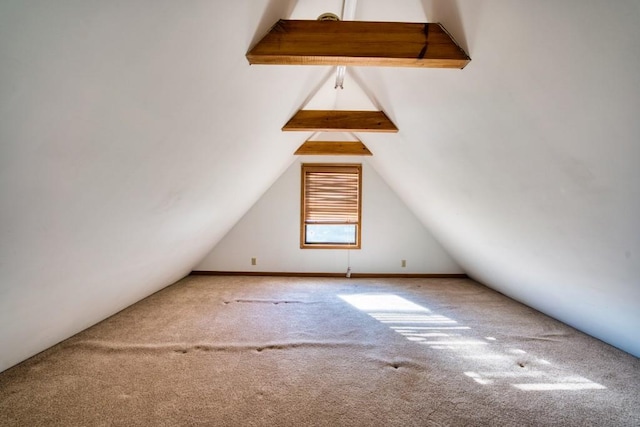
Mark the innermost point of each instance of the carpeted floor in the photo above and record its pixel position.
(241, 351)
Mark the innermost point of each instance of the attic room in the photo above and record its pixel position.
(157, 259)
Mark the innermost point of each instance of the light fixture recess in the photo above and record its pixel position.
(328, 17)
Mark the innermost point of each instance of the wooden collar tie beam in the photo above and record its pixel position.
(359, 43)
(340, 121)
(333, 148)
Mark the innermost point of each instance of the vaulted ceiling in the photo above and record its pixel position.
(133, 135)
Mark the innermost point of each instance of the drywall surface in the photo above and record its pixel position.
(525, 163)
(121, 124)
(270, 232)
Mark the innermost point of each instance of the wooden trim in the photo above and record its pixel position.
(353, 275)
(359, 43)
(340, 121)
(333, 148)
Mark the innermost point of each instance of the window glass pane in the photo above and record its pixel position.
(323, 233)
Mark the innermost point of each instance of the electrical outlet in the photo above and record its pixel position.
(253, 261)
(403, 263)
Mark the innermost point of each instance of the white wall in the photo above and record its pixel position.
(525, 164)
(270, 232)
(120, 123)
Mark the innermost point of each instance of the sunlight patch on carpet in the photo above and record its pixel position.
(493, 364)
(382, 302)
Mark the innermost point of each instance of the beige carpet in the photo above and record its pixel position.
(239, 351)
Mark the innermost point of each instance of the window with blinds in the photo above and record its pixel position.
(331, 206)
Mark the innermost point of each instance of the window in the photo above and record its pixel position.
(330, 209)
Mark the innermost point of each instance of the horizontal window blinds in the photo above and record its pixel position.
(331, 194)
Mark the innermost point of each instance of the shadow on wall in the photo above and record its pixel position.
(374, 97)
(275, 10)
(448, 14)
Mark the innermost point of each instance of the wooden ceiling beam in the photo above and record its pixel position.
(333, 148)
(360, 43)
(340, 121)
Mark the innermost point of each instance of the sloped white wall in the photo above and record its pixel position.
(270, 232)
(525, 163)
(120, 124)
